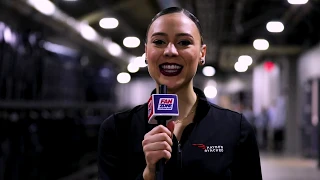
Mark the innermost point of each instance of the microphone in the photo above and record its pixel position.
(162, 108)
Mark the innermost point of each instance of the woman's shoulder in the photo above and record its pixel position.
(124, 117)
(230, 116)
(128, 112)
(231, 119)
(224, 111)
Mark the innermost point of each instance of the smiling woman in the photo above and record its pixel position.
(205, 142)
(174, 39)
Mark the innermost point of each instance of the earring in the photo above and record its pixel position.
(146, 61)
(202, 61)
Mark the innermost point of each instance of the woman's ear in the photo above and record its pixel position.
(145, 52)
(203, 52)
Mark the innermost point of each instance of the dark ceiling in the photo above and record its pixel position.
(230, 26)
(133, 16)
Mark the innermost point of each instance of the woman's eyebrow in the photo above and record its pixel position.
(165, 34)
(159, 34)
(184, 34)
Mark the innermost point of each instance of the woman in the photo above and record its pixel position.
(206, 142)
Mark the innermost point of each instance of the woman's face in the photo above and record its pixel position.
(173, 50)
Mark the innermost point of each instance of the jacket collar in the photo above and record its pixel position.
(203, 104)
(201, 112)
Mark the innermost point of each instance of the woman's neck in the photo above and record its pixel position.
(186, 99)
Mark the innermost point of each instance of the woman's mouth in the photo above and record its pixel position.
(170, 69)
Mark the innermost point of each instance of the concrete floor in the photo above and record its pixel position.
(289, 168)
(274, 167)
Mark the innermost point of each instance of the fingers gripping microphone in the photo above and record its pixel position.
(162, 108)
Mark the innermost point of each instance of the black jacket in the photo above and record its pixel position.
(220, 144)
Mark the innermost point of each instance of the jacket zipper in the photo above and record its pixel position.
(179, 155)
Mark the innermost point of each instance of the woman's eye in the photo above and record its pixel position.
(184, 43)
(158, 42)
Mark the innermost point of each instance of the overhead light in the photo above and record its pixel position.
(143, 55)
(133, 67)
(140, 62)
(131, 42)
(245, 59)
(87, 32)
(108, 23)
(114, 49)
(261, 44)
(7, 35)
(240, 67)
(105, 72)
(275, 26)
(268, 66)
(208, 71)
(44, 6)
(123, 77)
(59, 49)
(296, 2)
(210, 91)
(2, 28)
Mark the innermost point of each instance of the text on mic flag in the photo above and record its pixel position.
(162, 105)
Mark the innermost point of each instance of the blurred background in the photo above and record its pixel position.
(66, 65)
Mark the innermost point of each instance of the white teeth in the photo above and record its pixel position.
(171, 71)
(170, 67)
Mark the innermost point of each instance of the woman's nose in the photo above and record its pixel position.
(171, 50)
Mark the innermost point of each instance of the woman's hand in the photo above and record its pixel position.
(156, 145)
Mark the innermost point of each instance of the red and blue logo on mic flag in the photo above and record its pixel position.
(162, 105)
(166, 103)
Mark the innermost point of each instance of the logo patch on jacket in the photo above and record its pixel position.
(211, 149)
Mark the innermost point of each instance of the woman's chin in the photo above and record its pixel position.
(172, 85)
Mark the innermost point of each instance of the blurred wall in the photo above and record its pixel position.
(265, 87)
(139, 89)
(134, 93)
(308, 104)
(309, 65)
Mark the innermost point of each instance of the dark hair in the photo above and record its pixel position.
(171, 10)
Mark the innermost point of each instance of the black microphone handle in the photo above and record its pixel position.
(161, 163)
(161, 121)
(163, 89)
(160, 169)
